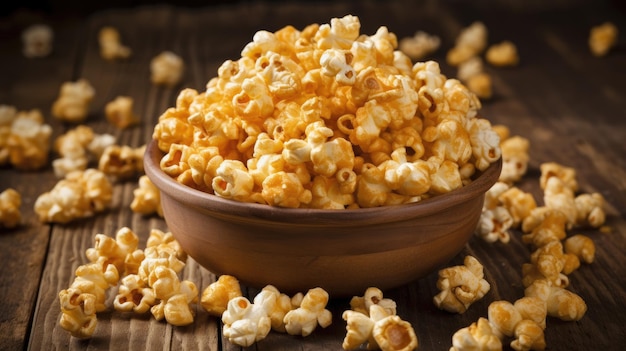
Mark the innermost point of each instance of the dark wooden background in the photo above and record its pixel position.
(569, 104)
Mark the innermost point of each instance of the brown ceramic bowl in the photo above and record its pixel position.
(342, 251)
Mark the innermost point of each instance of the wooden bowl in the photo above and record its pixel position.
(342, 251)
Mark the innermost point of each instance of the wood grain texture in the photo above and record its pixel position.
(569, 104)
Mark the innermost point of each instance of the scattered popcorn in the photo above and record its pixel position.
(72, 104)
(518, 203)
(551, 227)
(311, 313)
(119, 112)
(471, 41)
(77, 148)
(122, 162)
(25, 142)
(277, 305)
(481, 85)
(561, 303)
(359, 327)
(558, 196)
(394, 334)
(582, 246)
(461, 286)
(146, 198)
(10, 202)
(502, 54)
(80, 194)
(343, 121)
(566, 174)
(111, 47)
(590, 210)
(245, 323)
(470, 68)
(419, 45)
(216, 296)
(175, 296)
(372, 296)
(602, 39)
(119, 251)
(37, 41)
(166, 69)
(134, 295)
(494, 225)
(478, 336)
(514, 158)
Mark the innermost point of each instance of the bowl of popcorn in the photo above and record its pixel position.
(324, 157)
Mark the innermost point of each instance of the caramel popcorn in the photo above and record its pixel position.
(561, 303)
(245, 323)
(119, 112)
(77, 148)
(566, 174)
(590, 210)
(311, 313)
(174, 296)
(337, 120)
(394, 334)
(277, 305)
(502, 54)
(471, 41)
(461, 286)
(216, 296)
(166, 69)
(494, 225)
(26, 138)
(602, 39)
(122, 162)
(72, 104)
(372, 296)
(111, 47)
(478, 336)
(119, 251)
(146, 198)
(80, 194)
(518, 203)
(134, 295)
(37, 41)
(581, 246)
(514, 158)
(10, 202)
(420, 45)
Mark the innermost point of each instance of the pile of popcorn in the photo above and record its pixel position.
(328, 118)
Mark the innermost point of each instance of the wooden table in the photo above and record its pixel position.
(569, 104)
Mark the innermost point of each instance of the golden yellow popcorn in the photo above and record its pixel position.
(478, 336)
(514, 158)
(72, 104)
(122, 162)
(309, 118)
(28, 140)
(524, 320)
(471, 41)
(166, 69)
(215, 296)
(111, 47)
(494, 225)
(359, 327)
(481, 85)
(602, 38)
(550, 227)
(582, 246)
(502, 54)
(37, 41)
(590, 210)
(134, 295)
(86, 296)
(518, 203)
(394, 334)
(80, 194)
(564, 173)
(420, 45)
(546, 262)
(77, 148)
(460, 286)
(245, 323)
(558, 196)
(372, 296)
(116, 251)
(174, 296)
(561, 303)
(10, 202)
(119, 112)
(311, 313)
(146, 198)
(469, 69)
(277, 305)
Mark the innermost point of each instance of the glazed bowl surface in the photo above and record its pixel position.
(342, 251)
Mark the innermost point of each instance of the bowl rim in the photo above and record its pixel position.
(218, 205)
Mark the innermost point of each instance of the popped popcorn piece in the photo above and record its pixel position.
(492, 196)
(514, 158)
(72, 149)
(469, 69)
(175, 296)
(566, 174)
(163, 244)
(37, 41)
(581, 246)
(166, 69)
(478, 336)
(215, 296)
(359, 327)
(518, 203)
(547, 262)
(516, 320)
(311, 313)
(528, 336)
(471, 41)
(460, 286)
(372, 296)
(86, 296)
(146, 198)
(245, 323)
(10, 202)
(494, 225)
(134, 295)
(80, 194)
(394, 334)
(590, 210)
(481, 85)
(28, 139)
(558, 196)
(122, 162)
(118, 251)
(276, 304)
(551, 227)
(111, 47)
(602, 38)
(119, 112)
(72, 104)
(561, 303)
(420, 45)
(502, 54)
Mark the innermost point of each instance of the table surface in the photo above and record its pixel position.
(566, 102)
